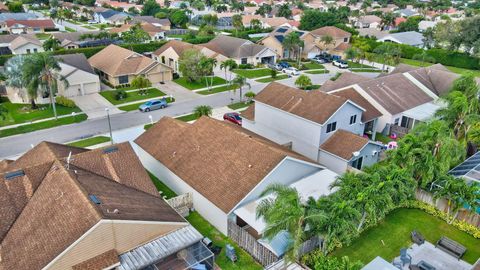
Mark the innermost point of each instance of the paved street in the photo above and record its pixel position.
(186, 102)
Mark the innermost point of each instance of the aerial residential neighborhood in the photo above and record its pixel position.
(227, 135)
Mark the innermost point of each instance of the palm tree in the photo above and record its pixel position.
(303, 81)
(229, 65)
(41, 70)
(14, 78)
(327, 40)
(284, 211)
(240, 82)
(140, 82)
(207, 66)
(51, 44)
(202, 110)
(389, 54)
(292, 42)
(456, 192)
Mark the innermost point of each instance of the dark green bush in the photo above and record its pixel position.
(66, 102)
(245, 66)
(120, 94)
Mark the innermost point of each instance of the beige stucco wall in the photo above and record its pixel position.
(271, 43)
(119, 235)
(80, 83)
(29, 46)
(169, 54)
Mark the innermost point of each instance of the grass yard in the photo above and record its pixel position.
(366, 70)
(244, 262)
(134, 106)
(166, 191)
(131, 96)
(21, 113)
(90, 141)
(253, 73)
(74, 22)
(89, 27)
(68, 29)
(43, 125)
(325, 71)
(384, 139)
(200, 83)
(352, 64)
(266, 80)
(43, 36)
(395, 230)
(239, 105)
(187, 117)
(217, 90)
(313, 65)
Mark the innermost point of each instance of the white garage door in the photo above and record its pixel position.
(312, 55)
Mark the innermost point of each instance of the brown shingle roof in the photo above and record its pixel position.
(24, 40)
(102, 261)
(116, 61)
(345, 79)
(332, 31)
(437, 78)
(47, 209)
(45, 23)
(315, 106)
(233, 47)
(343, 143)
(178, 46)
(370, 112)
(220, 160)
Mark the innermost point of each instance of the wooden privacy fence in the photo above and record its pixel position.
(182, 203)
(442, 204)
(260, 253)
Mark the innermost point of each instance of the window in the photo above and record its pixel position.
(28, 50)
(357, 164)
(397, 120)
(244, 61)
(353, 119)
(163, 59)
(123, 79)
(331, 127)
(35, 50)
(345, 39)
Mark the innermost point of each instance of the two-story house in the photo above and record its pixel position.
(306, 120)
(340, 39)
(275, 39)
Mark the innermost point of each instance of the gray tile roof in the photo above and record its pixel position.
(77, 60)
(410, 38)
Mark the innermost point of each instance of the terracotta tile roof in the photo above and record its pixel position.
(315, 106)
(48, 208)
(102, 261)
(116, 61)
(346, 79)
(343, 143)
(213, 157)
(370, 112)
(46, 23)
(332, 31)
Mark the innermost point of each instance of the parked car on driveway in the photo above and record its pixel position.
(233, 117)
(340, 63)
(284, 65)
(154, 104)
(320, 60)
(291, 71)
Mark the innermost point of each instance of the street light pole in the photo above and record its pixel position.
(109, 124)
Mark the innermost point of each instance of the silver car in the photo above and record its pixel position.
(154, 104)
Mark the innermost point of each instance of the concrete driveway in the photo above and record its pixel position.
(178, 92)
(94, 105)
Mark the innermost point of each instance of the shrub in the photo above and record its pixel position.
(175, 76)
(120, 94)
(245, 66)
(66, 102)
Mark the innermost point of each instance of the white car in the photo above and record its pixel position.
(291, 71)
(340, 64)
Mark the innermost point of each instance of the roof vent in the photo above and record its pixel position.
(94, 199)
(11, 175)
(249, 165)
(115, 211)
(110, 150)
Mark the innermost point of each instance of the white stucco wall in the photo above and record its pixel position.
(80, 82)
(23, 49)
(342, 117)
(332, 162)
(205, 208)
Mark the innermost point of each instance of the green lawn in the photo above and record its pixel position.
(21, 113)
(352, 64)
(68, 29)
(313, 65)
(187, 118)
(89, 27)
(90, 141)
(244, 262)
(200, 83)
(217, 90)
(384, 139)
(395, 230)
(166, 191)
(131, 96)
(325, 71)
(74, 22)
(43, 125)
(253, 73)
(134, 106)
(43, 36)
(100, 25)
(266, 80)
(238, 105)
(366, 70)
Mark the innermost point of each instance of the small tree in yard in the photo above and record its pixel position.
(190, 65)
(202, 110)
(250, 95)
(140, 82)
(240, 82)
(303, 81)
(273, 72)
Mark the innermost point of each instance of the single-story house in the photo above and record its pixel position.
(404, 97)
(164, 24)
(241, 50)
(110, 16)
(80, 77)
(406, 12)
(424, 25)
(28, 26)
(74, 40)
(66, 207)
(119, 66)
(304, 121)
(274, 41)
(368, 21)
(155, 32)
(411, 38)
(21, 44)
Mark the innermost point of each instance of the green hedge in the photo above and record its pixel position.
(442, 56)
